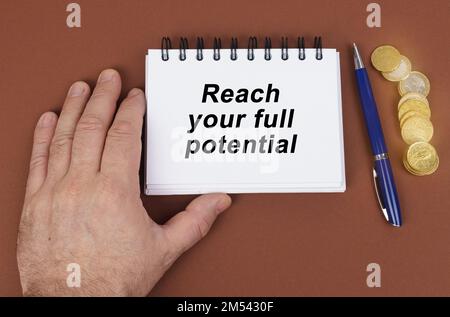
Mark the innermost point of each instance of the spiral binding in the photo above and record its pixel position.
(200, 47)
(252, 44)
(184, 45)
(217, 47)
(233, 49)
(166, 45)
(267, 48)
(284, 48)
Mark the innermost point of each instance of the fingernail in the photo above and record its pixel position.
(134, 92)
(46, 120)
(106, 75)
(223, 203)
(76, 90)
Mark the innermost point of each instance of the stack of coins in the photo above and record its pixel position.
(414, 111)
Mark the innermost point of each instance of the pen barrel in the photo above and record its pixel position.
(388, 191)
(370, 112)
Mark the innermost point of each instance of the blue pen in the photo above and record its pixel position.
(382, 172)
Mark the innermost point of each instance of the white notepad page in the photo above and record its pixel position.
(175, 89)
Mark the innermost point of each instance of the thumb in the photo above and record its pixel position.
(189, 226)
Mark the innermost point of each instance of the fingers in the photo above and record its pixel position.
(90, 132)
(189, 226)
(61, 147)
(122, 153)
(43, 135)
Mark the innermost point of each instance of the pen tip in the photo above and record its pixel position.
(358, 60)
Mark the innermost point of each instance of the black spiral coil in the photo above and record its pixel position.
(318, 47)
(301, 48)
(184, 45)
(200, 47)
(252, 44)
(166, 46)
(284, 48)
(267, 49)
(233, 49)
(217, 47)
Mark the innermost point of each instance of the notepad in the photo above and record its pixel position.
(246, 124)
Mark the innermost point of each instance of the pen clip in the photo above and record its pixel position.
(380, 201)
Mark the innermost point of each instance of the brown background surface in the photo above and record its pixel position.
(272, 244)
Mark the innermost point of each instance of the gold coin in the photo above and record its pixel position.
(416, 105)
(417, 129)
(413, 95)
(401, 72)
(408, 115)
(385, 58)
(415, 82)
(416, 172)
(409, 169)
(422, 158)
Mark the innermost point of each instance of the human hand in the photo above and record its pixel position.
(82, 202)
